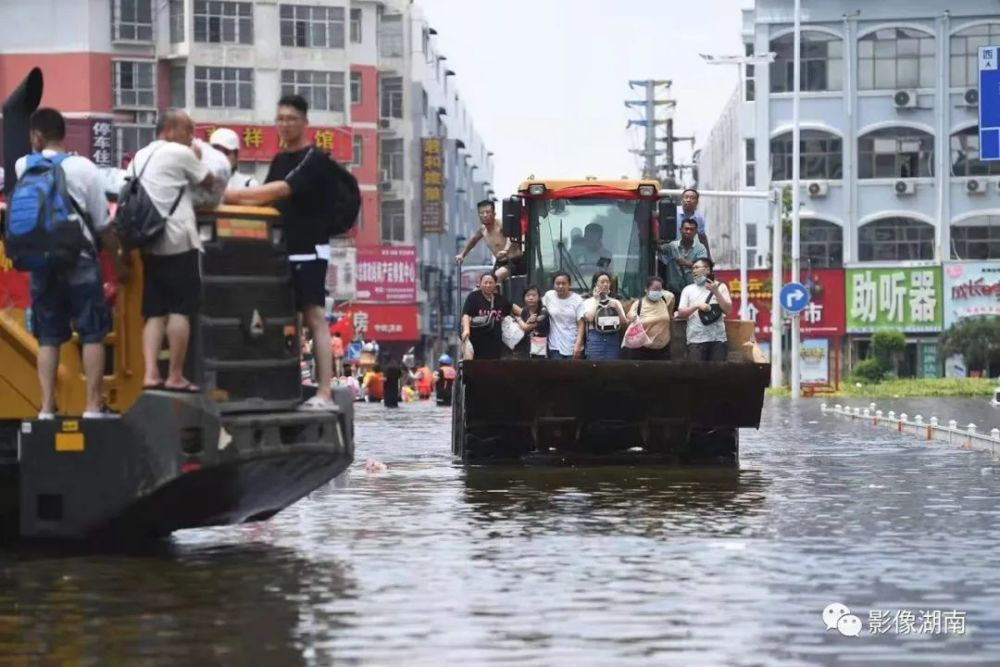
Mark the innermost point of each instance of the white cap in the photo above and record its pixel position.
(226, 138)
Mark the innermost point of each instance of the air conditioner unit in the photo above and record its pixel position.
(905, 99)
(976, 186)
(818, 188)
(385, 186)
(903, 187)
(384, 123)
(972, 97)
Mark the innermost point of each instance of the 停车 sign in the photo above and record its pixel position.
(894, 299)
(971, 289)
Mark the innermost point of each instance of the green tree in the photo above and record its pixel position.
(975, 338)
(886, 348)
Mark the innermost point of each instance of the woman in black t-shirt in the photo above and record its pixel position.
(534, 322)
(481, 316)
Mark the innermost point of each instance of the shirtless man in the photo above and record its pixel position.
(509, 257)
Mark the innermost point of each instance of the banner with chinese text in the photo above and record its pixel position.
(382, 322)
(260, 143)
(894, 299)
(971, 289)
(823, 317)
(387, 274)
(431, 186)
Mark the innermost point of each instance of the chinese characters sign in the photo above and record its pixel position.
(432, 186)
(971, 289)
(823, 317)
(260, 143)
(387, 274)
(894, 299)
(383, 322)
(100, 142)
(341, 272)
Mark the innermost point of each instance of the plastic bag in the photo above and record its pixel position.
(467, 351)
(635, 336)
(218, 166)
(539, 346)
(510, 333)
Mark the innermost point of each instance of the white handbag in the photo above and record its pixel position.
(511, 333)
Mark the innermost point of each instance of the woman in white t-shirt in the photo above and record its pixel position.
(704, 304)
(603, 319)
(565, 317)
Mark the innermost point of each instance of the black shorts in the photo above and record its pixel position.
(309, 281)
(518, 266)
(171, 284)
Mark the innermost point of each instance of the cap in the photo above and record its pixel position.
(445, 360)
(226, 138)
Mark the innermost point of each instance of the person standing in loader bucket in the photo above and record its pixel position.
(510, 259)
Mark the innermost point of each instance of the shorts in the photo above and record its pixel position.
(171, 284)
(518, 266)
(309, 281)
(74, 296)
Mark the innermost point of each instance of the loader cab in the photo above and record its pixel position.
(582, 227)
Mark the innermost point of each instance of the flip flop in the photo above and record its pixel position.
(189, 388)
(153, 387)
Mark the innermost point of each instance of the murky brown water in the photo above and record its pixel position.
(429, 563)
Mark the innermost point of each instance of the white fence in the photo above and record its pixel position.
(967, 437)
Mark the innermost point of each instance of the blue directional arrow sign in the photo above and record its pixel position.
(794, 297)
(989, 103)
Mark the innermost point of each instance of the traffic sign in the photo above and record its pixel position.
(989, 103)
(794, 297)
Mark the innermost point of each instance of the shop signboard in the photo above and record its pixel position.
(899, 298)
(971, 289)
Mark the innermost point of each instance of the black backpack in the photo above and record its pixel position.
(343, 192)
(138, 222)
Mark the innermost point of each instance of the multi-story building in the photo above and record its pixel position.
(890, 166)
(374, 80)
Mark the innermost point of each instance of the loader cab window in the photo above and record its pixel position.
(582, 236)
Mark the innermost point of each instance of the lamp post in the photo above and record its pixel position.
(741, 62)
(459, 244)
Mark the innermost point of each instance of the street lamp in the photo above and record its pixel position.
(741, 62)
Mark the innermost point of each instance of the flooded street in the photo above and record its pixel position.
(428, 562)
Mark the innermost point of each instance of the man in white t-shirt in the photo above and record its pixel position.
(61, 297)
(168, 168)
(227, 142)
(705, 304)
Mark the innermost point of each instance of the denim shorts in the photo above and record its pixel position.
(68, 297)
(602, 345)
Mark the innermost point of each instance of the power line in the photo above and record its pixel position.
(649, 122)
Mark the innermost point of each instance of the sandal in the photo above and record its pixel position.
(153, 387)
(189, 388)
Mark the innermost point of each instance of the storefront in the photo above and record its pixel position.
(971, 289)
(907, 299)
(822, 322)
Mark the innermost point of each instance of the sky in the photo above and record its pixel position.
(545, 80)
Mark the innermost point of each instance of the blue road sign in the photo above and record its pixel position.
(794, 297)
(989, 103)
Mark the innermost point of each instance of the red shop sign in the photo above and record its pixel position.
(824, 317)
(383, 322)
(387, 274)
(260, 143)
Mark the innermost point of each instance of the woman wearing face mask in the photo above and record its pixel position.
(654, 311)
(703, 304)
(565, 310)
(603, 319)
(484, 310)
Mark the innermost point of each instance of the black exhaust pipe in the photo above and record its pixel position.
(17, 110)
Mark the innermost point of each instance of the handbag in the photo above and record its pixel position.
(712, 316)
(510, 332)
(539, 346)
(483, 322)
(635, 336)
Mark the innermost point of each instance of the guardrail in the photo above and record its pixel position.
(967, 437)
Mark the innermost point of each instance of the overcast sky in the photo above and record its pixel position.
(545, 80)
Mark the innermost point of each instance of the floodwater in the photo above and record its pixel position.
(430, 563)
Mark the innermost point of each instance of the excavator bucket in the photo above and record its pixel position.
(608, 411)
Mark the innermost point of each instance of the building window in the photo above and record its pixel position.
(223, 87)
(130, 138)
(177, 27)
(965, 155)
(393, 221)
(391, 36)
(357, 150)
(135, 86)
(324, 91)
(426, 102)
(896, 58)
(178, 87)
(749, 76)
(356, 26)
(132, 20)
(976, 238)
(821, 156)
(895, 239)
(356, 91)
(821, 244)
(223, 22)
(312, 27)
(896, 152)
(821, 62)
(392, 96)
(751, 147)
(392, 159)
(965, 53)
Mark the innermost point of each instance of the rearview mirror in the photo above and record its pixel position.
(668, 220)
(511, 218)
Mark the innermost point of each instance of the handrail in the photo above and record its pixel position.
(968, 437)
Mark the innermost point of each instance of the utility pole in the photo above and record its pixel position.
(649, 152)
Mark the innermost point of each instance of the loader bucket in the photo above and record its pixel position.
(579, 411)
